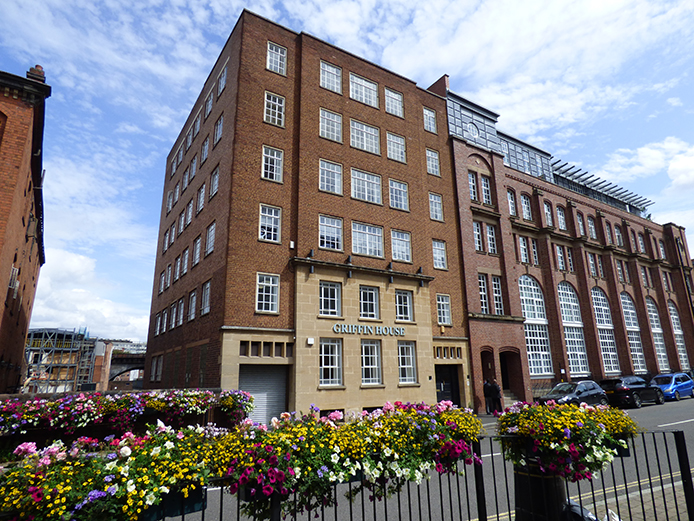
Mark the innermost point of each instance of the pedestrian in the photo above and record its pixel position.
(496, 397)
(488, 400)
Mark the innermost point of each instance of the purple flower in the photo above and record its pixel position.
(567, 433)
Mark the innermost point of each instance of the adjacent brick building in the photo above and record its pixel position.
(22, 103)
(318, 241)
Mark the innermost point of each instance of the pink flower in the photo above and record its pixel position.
(335, 416)
(268, 490)
(25, 449)
(388, 407)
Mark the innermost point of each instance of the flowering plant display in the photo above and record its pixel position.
(566, 440)
(119, 478)
(72, 411)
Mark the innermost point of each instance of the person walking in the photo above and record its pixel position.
(496, 397)
(488, 400)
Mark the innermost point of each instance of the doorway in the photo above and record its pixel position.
(447, 387)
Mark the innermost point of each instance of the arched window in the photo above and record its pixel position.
(603, 319)
(658, 339)
(581, 225)
(511, 196)
(536, 334)
(548, 214)
(679, 335)
(561, 218)
(591, 228)
(526, 207)
(608, 233)
(618, 236)
(633, 332)
(573, 329)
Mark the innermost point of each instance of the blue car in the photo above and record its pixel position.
(675, 385)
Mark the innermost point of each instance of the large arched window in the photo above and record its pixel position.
(573, 329)
(536, 334)
(679, 334)
(603, 319)
(633, 333)
(658, 339)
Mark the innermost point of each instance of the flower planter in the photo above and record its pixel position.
(174, 504)
(539, 496)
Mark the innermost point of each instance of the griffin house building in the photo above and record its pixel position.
(333, 234)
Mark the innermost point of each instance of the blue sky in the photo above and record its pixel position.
(602, 84)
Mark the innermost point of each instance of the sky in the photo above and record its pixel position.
(601, 84)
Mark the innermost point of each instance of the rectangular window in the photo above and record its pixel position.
(396, 147)
(498, 296)
(620, 270)
(642, 242)
(435, 207)
(591, 228)
(189, 212)
(548, 214)
(330, 299)
(204, 152)
(443, 309)
(367, 239)
(274, 109)
(439, 248)
(486, 189)
(407, 362)
(330, 362)
(433, 166)
(364, 137)
(477, 233)
(169, 201)
(429, 120)
(661, 246)
(644, 276)
(172, 234)
(472, 181)
(164, 320)
(168, 275)
(591, 265)
(561, 218)
(222, 81)
(180, 312)
(276, 58)
(330, 233)
(218, 129)
(166, 240)
(536, 256)
(394, 103)
(363, 90)
(208, 104)
(209, 240)
(174, 310)
(491, 239)
(403, 305)
(214, 182)
(162, 281)
(270, 223)
(601, 269)
(201, 198)
(368, 302)
(330, 177)
(196, 125)
(527, 209)
(570, 258)
(561, 263)
(177, 268)
(484, 295)
(511, 196)
(331, 125)
(370, 362)
(185, 180)
(581, 226)
(181, 221)
(192, 303)
(523, 249)
(193, 167)
(205, 298)
(330, 77)
(157, 325)
(366, 187)
(184, 261)
(273, 163)
(400, 245)
(196, 250)
(267, 293)
(398, 195)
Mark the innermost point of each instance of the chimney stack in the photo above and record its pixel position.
(37, 74)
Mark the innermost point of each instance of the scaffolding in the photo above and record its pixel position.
(58, 360)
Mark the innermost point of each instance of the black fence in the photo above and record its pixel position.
(650, 481)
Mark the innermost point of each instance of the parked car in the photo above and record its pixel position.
(631, 391)
(576, 392)
(675, 385)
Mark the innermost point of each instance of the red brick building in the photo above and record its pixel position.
(22, 103)
(318, 240)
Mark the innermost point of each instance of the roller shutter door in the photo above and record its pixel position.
(268, 385)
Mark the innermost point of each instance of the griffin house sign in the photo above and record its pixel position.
(360, 329)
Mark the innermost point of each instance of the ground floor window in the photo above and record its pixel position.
(330, 361)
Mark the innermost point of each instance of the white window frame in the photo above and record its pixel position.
(201, 198)
(472, 183)
(536, 331)
(486, 183)
(491, 239)
(561, 218)
(330, 77)
(192, 304)
(276, 60)
(209, 238)
(330, 362)
(407, 362)
(396, 147)
(205, 298)
(548, 214)
(477, 234)
(401, 245)
(511, 197)
(572, 324)
(367, 239)
(184, 261)
(273, 164)
(527, 207)
(658, 337)
(267, 293)
(331, 125)
(214, 182)
(429, 116)
(435, 207)
(205, 152)
(330, 299)
(404, 311)
(270, 224)
(366, 186)
(330, 233)
(523, 249)
(197, 249)
(443, 309)
(274, 109)
(364, 137)
(218, 129)
(369, 302)
(592, 231)
(363, 90)
(371, 362)
(631, 321)
(603, 321)
(483, 286)
(498, 296)
(394, 102)
(399, 198)
(433, 163)
(330, 177)
(439, 252)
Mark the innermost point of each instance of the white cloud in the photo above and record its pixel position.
(675, 102)
(626, 165)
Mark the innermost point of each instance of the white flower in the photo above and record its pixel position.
(164, 490)
(130, 487)
(297, 472)
(125, 451)
(110, 465)
(169, 445)
(149, 499)
(335, 458)
(387, 451)
(124, 471)
(156, 451)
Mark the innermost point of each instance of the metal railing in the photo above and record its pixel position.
(651, 481)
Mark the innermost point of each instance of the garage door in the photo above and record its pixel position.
(268, 385)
